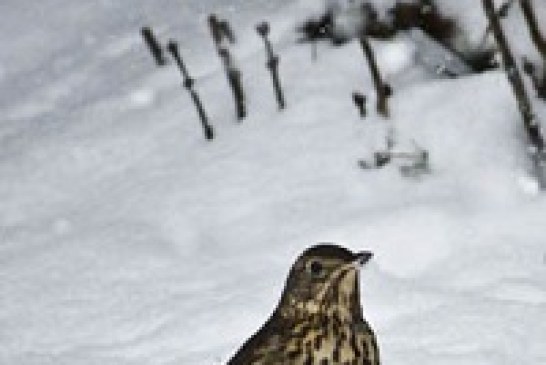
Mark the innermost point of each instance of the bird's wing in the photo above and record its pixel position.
(368, 341)
(265, 347)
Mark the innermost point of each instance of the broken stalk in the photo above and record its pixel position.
(272, 63)
(188, 84)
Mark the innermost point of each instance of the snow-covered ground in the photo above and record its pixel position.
(126, 238)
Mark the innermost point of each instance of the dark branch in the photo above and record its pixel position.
(532, 23)
(382, 89)
(272, 63)
(524, 104)
(153, 45)
(360, 102)
(221, 31)
(188, 83)
(539, 81)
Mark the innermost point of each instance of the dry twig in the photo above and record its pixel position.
(382, 89)
(530, 123)
(539, 42)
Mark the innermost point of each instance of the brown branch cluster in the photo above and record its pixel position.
(420, 14)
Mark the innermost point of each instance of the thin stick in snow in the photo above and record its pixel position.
(153, 46)
(383, 90)
(272, 63)
(534, 29)
(538, 81)
(360, 102)
(539, 42)
(234, 78)
(220, 32)
(502, 12)
(188, 84)
(530, 123)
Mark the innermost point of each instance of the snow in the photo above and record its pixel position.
(126, 238)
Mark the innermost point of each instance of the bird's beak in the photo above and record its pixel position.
(363, 257)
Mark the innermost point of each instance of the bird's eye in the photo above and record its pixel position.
(316, 269)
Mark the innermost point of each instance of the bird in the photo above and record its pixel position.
(319, 318)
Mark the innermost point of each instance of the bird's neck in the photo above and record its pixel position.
(338, 297)
(339, 305)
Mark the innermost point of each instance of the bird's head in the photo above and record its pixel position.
(324, 279)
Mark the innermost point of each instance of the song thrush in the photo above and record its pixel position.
(318, 320)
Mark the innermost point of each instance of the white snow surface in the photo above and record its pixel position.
(126, 238)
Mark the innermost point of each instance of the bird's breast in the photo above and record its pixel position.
(326, 342)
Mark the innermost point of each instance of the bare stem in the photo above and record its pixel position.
(512, 72)
(532, 24)
(540, 44)
(382, 89)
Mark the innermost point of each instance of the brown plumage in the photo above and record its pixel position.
(318, 320)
